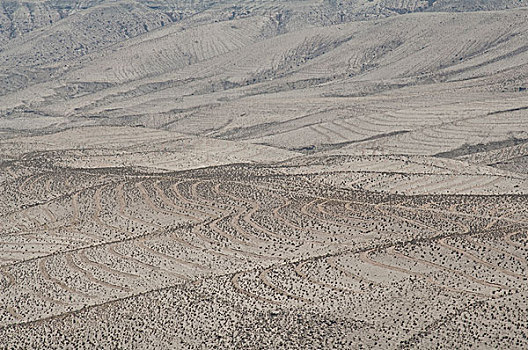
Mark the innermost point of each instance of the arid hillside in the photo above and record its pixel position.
(272, 75)
(264, 174)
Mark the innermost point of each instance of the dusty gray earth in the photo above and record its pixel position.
(264, 174)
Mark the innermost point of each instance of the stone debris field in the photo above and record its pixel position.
(263, 174)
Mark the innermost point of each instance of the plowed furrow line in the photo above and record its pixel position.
(82, 256)
(98, 208)
(47, 185)
(43, 271)
(94, 237)
(321, 208)
(264, 277)
(15, 251)
(305, 210)
(90, 276)
(120, 197)
(196, 231)
(50, 215)
(68, 183)
(192, 202)
(171, 204)
(289, 223)
(35, 222)
(25, 244)
(442, 242)
(332, 262)
(503, 216)
(247, 215)
(231, 238)
(213, 225)
(9, 261)
(153, 206)
(50, 300)
(410, 221)
(508, 239)
(133, 260)
(249, 219)
(500, 251)
(364, 256)
(211, 204)
(11, 281)
(479, 281)
(24, 184)
(76, 217)
(250, 238)
(449, 214)
(465, 228)
(298, 271)
(142, 245)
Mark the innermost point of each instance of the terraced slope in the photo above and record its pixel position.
(263, 174)
(360, 85)
(100, 254)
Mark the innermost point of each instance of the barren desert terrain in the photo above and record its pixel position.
(263, 174)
